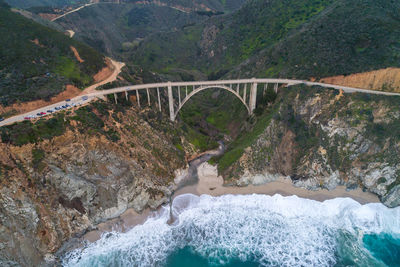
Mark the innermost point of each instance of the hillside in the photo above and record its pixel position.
(295, 39)
(134, 21)
(349, 37)
(34, 3)
(131, 23)
(321, 138)
(37, 62)
(62, 176)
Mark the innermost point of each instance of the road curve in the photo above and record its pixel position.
(100, 94)
(78, 99)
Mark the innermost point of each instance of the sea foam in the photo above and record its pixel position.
(270, 230)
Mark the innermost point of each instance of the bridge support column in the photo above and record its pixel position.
(179, 95)
(148, 96)
(171, 103)
(138, 98)
(116, 98)
(245, 93)
(126, 95)
(253, 97)
(159, 101)
(276, 88)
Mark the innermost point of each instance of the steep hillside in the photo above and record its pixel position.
(300, 39)
(62, 176)
(321, 138)
(348, 37)
(131, 23)
(37, 62)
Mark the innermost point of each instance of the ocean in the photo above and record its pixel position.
(253, 230)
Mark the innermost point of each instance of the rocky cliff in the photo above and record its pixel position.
(62, 176)
(323, 138)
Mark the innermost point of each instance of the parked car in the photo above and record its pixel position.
(85, 97)
(68, 100)
(27, 118)
(42, 113)
(50, 111)
(39, 114)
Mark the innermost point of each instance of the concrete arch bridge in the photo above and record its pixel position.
(244, 89)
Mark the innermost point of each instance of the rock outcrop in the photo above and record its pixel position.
(61, 187)
(321, 138)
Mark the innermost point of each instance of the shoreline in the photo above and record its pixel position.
(210, 183)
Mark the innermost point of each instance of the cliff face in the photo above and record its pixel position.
(322, 138)
(58, 187)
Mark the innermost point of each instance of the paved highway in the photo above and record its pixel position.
(91, 96)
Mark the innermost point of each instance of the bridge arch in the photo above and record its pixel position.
(202, 88)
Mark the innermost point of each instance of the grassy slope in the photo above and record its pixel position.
(301, 39)
(30, 71)
(350, 37)
(258, 24)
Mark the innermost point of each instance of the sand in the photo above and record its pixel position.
(211, 184)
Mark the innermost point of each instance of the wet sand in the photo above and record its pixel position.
(211, 184)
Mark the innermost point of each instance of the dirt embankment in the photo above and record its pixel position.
(18, 108)
(383, 79)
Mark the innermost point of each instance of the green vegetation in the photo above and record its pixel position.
(246, 139)
(26, 132)
(37, 158)
(36, 62)
(269, 22)
(346, 38)
(284, 38)
(91, 120)
(92, 123)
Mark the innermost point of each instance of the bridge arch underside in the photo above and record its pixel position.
(202, 88)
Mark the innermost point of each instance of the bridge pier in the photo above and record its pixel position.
(126, 96)
(253, 97)
(179, 95)
(159, 101)
(115, 98)
(171, 102)
(138, 98)
(148, 96)
(245, 92)
(276, 88)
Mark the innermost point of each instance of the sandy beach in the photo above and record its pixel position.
(211, 184)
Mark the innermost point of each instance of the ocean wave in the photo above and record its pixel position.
(269, 230)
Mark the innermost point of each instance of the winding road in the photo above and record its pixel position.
(78, 100)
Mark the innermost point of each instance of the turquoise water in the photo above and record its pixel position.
(188, 257)
(253, 230)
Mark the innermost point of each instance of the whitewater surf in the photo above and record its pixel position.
(253, 230)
